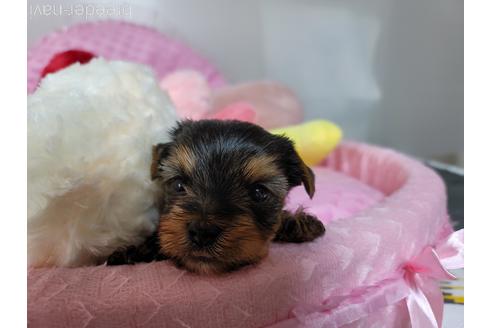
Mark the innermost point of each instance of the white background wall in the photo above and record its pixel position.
(388, 71)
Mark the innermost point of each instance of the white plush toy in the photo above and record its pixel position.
(89, 146)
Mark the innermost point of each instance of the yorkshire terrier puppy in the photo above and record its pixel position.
(222, 187)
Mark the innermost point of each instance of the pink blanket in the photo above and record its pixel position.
(392, 208)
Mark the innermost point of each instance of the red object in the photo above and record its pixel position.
(65, 59)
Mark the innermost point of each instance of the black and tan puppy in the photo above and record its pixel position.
(223, 186)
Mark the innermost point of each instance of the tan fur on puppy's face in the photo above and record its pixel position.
(239, 245)
(242, 241)
(223, 189)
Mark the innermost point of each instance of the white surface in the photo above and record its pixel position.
(454, 313)
(453, 316)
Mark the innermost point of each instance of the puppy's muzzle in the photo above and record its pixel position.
(203, 234)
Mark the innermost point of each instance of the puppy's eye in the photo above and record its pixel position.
(178, 186)
(259, 193)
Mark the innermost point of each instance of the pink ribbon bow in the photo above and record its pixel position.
(417, 287)
(424, 302)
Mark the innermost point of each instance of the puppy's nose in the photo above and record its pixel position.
(202, 234)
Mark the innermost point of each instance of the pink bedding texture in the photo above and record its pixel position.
(387, 241)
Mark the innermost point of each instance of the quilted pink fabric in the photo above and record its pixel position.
(337, 196)
(407, 214)
(119, 40)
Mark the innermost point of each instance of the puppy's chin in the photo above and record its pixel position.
(210, 266)
(205, 263)
(213, 263)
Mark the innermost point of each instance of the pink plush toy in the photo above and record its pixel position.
(265, 103)
(239, 110)
(275, 105)
(190, 93)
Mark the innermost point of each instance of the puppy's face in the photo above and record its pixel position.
(223, 185)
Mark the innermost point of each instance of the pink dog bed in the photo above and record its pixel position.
(381, 210)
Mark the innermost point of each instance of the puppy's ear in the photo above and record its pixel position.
(308, 179)
(159, 152)
(302, 171)
(296, 170)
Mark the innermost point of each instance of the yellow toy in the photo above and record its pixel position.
(313, 140)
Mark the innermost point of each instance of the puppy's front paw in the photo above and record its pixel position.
(299, 227)
(314, 228)
(121, 257)
(147, 252)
